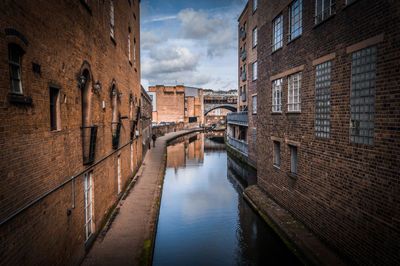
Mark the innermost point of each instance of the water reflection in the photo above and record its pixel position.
(203, 217)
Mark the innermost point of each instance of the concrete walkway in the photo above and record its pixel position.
(131, 228)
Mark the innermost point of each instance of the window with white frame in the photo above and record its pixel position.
(88, 197)
(255, 3)
(129, 47)
(255, 37)
(293, 159)
(294, 86)
(277, 95)
(277, 37)
(295, 10)
(254, 104)
(111, 19)
(119, 174)
(277, 153)
(362, 99)
(255, 71)
(15, 54)
(323, 9)
(323, 100)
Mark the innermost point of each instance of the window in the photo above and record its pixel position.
(88, 195)
(255, 5)
(244, 93)
(277, 95)
(254, 104)
(362, 99)
(277, 41)
(119, 174)
(293, 159)
(129, 48)
(277, 153)
(323, 9)
(255, 37)
(254, 136)
(111, 19)
(255, 71)
(192, 119)
(14, 59)
(323, 99)
(244, 73)
(295, 19)
(54, 108)
(294, 86)
(134, 51)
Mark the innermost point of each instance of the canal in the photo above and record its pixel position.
(204, 219)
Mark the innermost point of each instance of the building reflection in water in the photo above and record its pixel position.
(203, 217)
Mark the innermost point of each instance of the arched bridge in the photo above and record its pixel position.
(220, 100)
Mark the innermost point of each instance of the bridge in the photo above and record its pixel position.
(220, 100)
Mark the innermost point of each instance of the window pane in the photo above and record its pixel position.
(322, 99)
(363, 96)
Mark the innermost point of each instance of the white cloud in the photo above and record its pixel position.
(217, 31)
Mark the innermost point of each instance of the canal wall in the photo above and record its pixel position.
(238, 155)
(307, 247)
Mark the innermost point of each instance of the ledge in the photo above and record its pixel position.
(306, 246)
(19, 98)
(113, 40)
(323, 21)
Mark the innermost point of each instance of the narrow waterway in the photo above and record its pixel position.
(204, 219)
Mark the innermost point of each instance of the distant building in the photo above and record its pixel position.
(146, 110)
(177, 104)
(69, 90)
(329, 127)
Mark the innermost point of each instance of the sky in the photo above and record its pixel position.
(190, 42)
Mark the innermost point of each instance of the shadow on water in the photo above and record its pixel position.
(204, 219)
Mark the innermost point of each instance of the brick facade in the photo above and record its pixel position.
(347, 193)
(42, 168)
(178, 104)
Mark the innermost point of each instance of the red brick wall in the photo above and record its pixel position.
(34, 160)
(346, 193)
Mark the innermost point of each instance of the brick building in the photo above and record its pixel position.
(242, 126)
(70, 89)
(328, 120)
(177, 104)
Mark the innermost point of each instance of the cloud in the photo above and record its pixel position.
(169, 60)
(218, 32)
(159, 19)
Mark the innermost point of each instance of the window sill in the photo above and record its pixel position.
(292, 175)
(293, 112)
(254, 46)
(254, 113)
(280, 48)
(292, 40)
(86, 6)
(276, 113)
(55, 131)
(113, 40)
(130, 63)
(19, 98)
(323, 21)
(350, 4)
(276, 166)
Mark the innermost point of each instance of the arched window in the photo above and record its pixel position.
(15, 54)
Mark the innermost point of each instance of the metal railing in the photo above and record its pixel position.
(238, 118)
(240, 145)
(89, 136)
